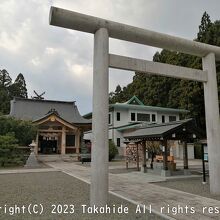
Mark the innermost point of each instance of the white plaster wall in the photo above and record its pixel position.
(126, 116)
(118, 134)
(166, 116)
(141, 111)
(190, 148)
(110, 134)
(123, 117)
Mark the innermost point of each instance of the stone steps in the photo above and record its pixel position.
(58, 157)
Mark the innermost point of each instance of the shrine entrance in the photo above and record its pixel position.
(48, 145)
(57, 136)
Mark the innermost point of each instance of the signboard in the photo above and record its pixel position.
(205, 155)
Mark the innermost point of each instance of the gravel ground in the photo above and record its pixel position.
(54, 188)
(190, 185)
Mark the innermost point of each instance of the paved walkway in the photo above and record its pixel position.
(136, 186)
(37, 170)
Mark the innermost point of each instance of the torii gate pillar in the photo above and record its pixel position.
(99, 165)
(212, 122)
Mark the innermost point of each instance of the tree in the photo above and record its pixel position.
(18, 88)
(5, 79)
(203, 35)
(9, 90)
(118, 89)
(8, 144)
(4, 101)
(153, 148)
(113, 151)
(24, 131)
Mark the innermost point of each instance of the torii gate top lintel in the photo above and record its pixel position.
(90, 24)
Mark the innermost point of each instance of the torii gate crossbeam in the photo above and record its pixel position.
(102, 30)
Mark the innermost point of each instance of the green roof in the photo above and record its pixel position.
(128, 126)
(135, 104)
(134, 101)
(147, 107)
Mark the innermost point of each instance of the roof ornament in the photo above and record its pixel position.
(38, 97)
(53, 110)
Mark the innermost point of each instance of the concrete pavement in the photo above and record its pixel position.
(136, 186)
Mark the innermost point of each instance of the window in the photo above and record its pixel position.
(163, 118)
(143, 117)
(118, 116)
(70, 140)
(109, 119)
(132, 116)
(118, 142)
(172, 118)
(153, 117)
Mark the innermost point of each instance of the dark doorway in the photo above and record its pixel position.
(48, 146)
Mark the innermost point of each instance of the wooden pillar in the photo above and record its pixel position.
(126, 155)
(185, 155)
(165, 154)
(78, 133)
(137, 155)
(144, 165)
(63, 141)
(37, 144)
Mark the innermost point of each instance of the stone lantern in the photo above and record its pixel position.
(32, 160)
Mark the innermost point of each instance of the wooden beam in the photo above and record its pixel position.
(154, 68)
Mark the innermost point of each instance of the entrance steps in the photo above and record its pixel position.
(57, 157)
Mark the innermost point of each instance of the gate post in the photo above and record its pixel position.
(212, 122)
(99, 165)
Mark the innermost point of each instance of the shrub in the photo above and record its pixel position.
(8, 155)
(113, 150)
(24, 131)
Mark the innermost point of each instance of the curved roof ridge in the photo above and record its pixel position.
(32, 109)
(43, 100)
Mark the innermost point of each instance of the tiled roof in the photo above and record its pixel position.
(157, 130)
(33, 109)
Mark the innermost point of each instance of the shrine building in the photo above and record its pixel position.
(60, 126)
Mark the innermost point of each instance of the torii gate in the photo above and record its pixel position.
(102, 30)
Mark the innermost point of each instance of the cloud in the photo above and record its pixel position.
(59, 61)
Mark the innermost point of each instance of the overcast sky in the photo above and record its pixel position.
(59, 61)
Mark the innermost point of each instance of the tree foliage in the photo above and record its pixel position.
(24, 131)
(5, 79)
(8, 144)
(8, 90)
(170, 92)
(113, 150)
(18, 88)
(10, 154)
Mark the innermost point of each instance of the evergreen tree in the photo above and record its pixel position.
(9, 90)
(206, 23)
(5, 83)
(18, 88)
(4, 101)
(5, 79)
